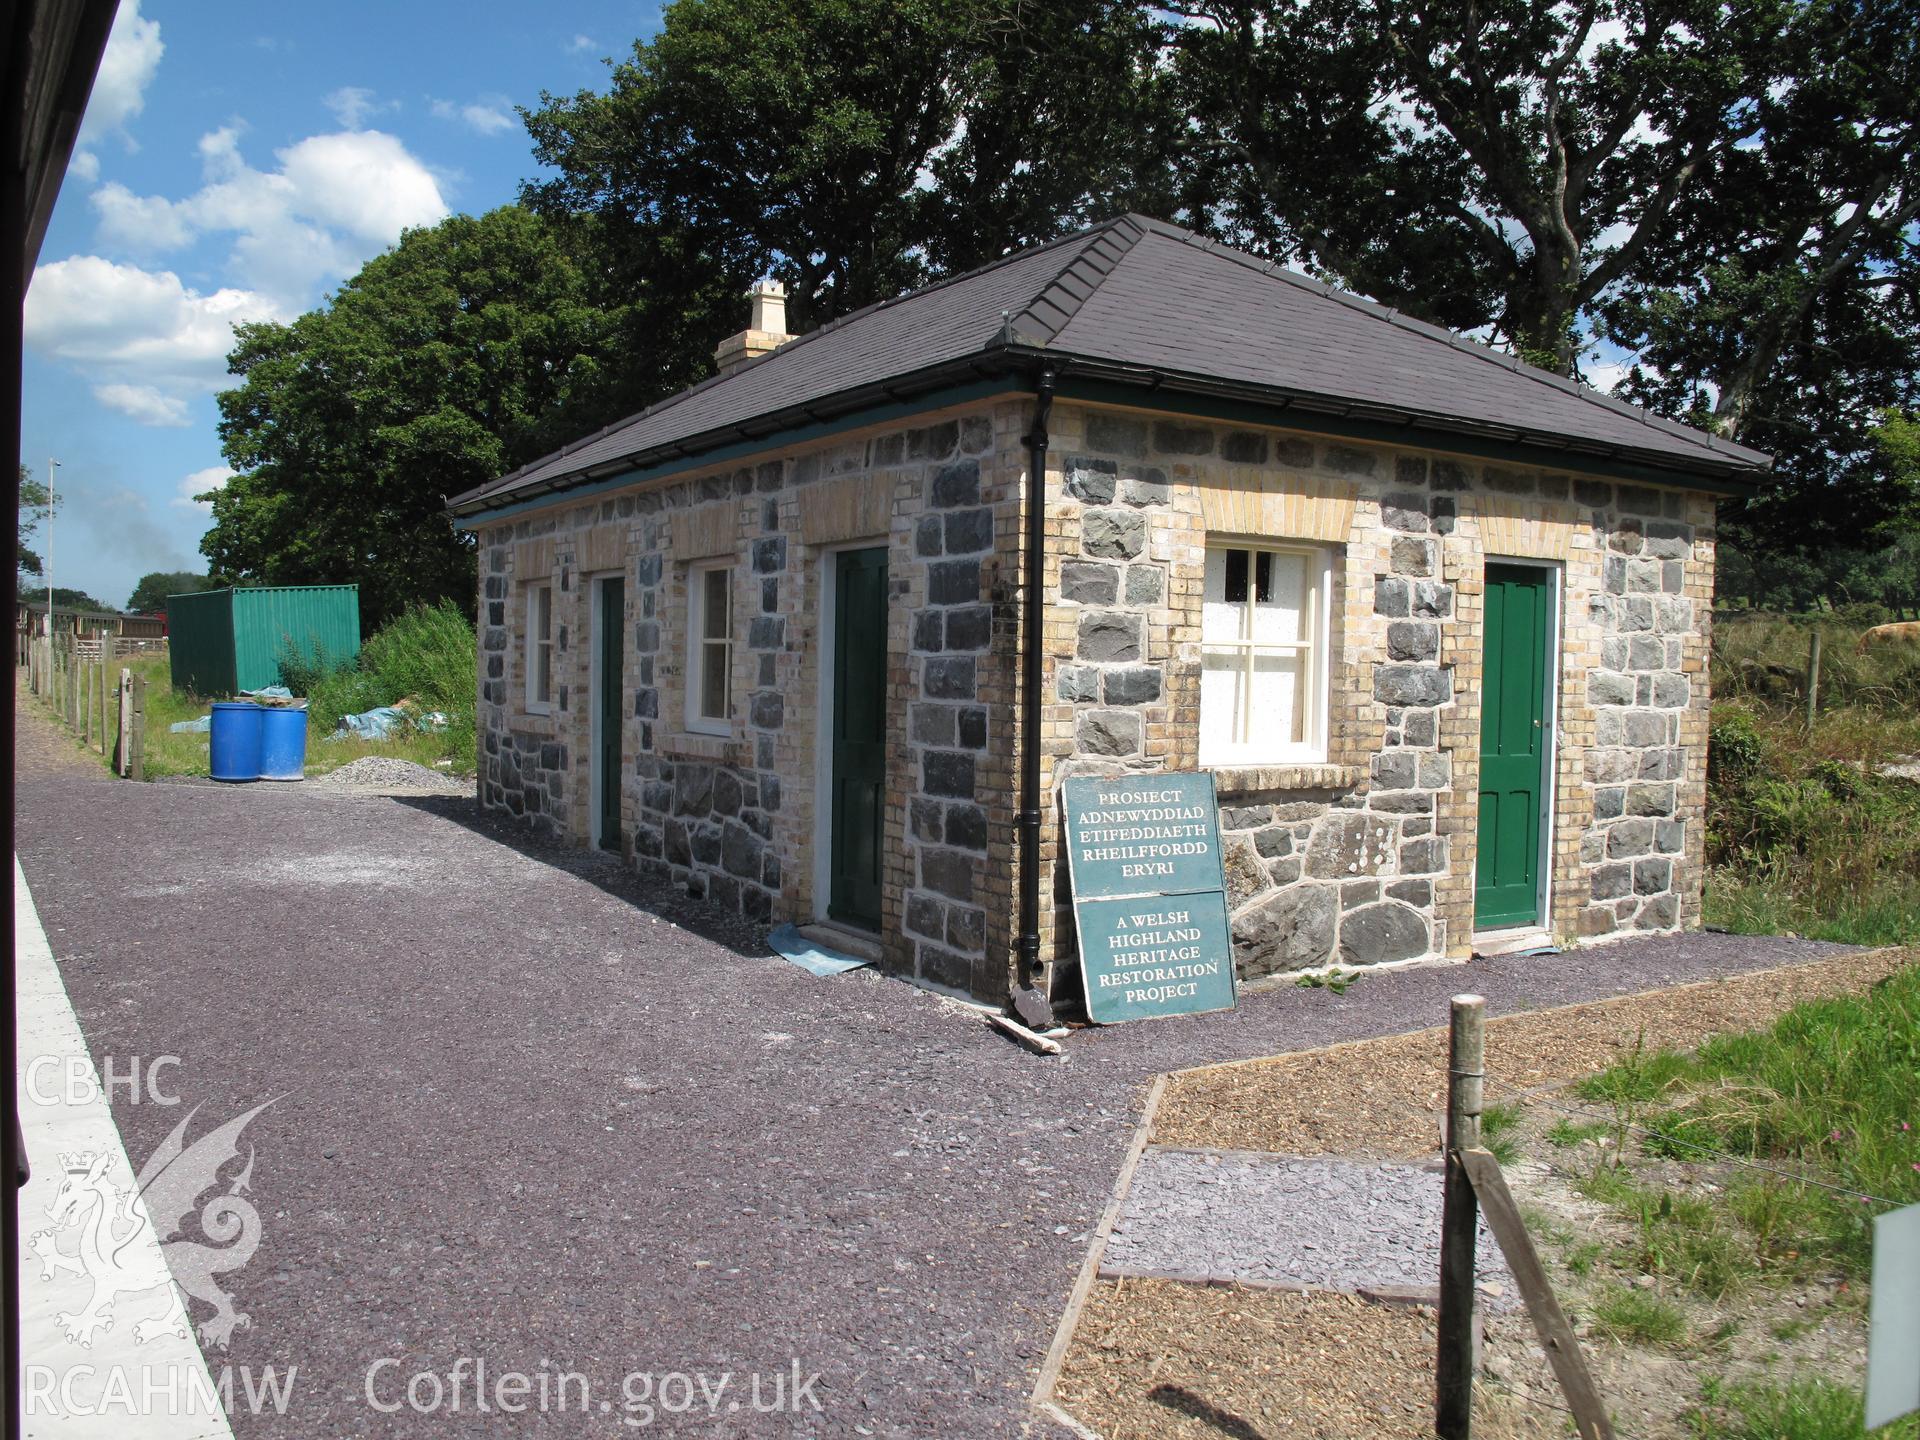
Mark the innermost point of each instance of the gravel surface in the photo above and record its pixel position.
(1326, 1224)
(535, 1109)
(383, 774)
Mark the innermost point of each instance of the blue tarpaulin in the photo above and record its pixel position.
(790, 944)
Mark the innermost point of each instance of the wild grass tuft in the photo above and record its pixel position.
(1638, 1317)
(1799, 1410)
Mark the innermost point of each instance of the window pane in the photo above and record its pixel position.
(542, 612)
(1221, 618)
(713, 681)
(715, 621)
(543, 670)
(1235, 580)
(1279, 611)
(1222, 691)
(1278, 714)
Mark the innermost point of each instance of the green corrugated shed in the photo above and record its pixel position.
(225, 641)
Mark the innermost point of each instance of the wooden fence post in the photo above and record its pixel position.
(1459, 1215)
(137, 767)
(106, 690)
(1813, 677)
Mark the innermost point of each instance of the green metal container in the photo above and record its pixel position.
(226, 641)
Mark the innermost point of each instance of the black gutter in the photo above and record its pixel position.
(1033, 1006)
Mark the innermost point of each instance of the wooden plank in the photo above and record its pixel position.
(1562, 1346)
(1459, 1222)
(137, 767)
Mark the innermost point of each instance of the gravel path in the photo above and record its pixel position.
(1211, 1216)
(384, 775)
(537, 1110)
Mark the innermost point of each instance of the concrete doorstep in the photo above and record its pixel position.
(107, 1345)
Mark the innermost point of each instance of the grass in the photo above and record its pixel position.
(1497, 1124)
(1567, 1133)
(1831, 1092)
(1638, 1317)
(426, 656)
(1798, 1410)
(1805, 835)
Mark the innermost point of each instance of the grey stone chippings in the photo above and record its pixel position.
(1324, 1224)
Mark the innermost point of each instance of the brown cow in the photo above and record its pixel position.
(1901, 632)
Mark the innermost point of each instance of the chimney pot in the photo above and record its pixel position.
(766, 328)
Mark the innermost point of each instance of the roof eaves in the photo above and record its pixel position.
(501, 486)
(1508, 362)
(1165, 381)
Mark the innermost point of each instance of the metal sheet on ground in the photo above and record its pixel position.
(1893, 1328)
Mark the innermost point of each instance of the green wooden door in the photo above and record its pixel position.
(613, 608)
(859, 756)
(1513, 743)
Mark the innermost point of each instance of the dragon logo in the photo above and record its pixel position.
(110, 1220)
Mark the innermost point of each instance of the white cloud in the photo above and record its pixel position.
(135, 328)
(488, 115)
(335, 201)
(145, 224)
(127, 67)
(353, 104)
(581, 44)
(85, 165)
(146, 404)
(214, 477)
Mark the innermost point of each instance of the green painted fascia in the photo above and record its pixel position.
(1412, 434)
(784, 439)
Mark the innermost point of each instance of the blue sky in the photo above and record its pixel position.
(238, 162)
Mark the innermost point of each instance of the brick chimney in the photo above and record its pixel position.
(766, 331)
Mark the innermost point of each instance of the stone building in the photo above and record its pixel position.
(1436, 622)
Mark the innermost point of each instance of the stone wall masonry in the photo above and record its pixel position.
(732, 818)
(1368, 858)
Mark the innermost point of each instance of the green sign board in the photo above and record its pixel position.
(1149, 895)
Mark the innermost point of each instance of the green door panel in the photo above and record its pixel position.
(1514, 726)
(859, 752)
(613, 622)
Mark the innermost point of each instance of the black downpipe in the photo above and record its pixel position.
(1032, 1005)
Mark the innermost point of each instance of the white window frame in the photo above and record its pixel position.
(698, 644)
(1315, 624)
(539, 606)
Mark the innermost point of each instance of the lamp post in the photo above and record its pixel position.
(52, 465)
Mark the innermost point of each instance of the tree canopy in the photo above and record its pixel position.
(150, 595)
(35, 506)
(1723, 192)
(457, 356)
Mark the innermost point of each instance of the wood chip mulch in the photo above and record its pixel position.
(1164, 1358)
(1383, 1098)
(1193, 1362)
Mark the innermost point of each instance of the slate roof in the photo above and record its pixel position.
(1136, 300)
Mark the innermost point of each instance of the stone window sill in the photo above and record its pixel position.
(1237, 780)
(687, 745)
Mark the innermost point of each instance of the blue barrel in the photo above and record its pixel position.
(283, 742)
(233, 740)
